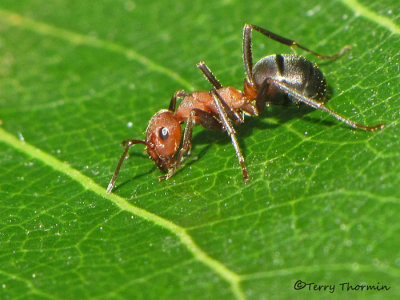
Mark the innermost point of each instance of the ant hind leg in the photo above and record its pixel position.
(318, 105)
(247, 55)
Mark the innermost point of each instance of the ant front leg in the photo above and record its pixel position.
(230, 130)
(247, 55)
(205, 119)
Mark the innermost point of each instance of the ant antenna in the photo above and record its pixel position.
(126, 144)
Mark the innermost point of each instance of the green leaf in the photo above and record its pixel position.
(322, 206)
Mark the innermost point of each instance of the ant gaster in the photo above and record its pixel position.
(275, 79)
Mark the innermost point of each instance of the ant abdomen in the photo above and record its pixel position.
(295, 72)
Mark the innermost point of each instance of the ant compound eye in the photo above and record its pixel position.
(164, 133)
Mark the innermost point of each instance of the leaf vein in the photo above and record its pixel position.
(363, 11)
(181, 233)
(75, 38)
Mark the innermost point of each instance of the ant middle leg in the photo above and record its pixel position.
(230, 130)
(209, 75)
(247, 55)
(233, 115)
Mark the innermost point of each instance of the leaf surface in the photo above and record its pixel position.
(322, 206)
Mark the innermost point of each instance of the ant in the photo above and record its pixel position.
(275, 79)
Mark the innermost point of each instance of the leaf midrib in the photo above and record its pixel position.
(361, 10)
(228, 275)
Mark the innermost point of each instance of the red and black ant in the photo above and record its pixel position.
(276, 79)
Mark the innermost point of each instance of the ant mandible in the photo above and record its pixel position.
(276, 79)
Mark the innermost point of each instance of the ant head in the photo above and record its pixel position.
(163, 136)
